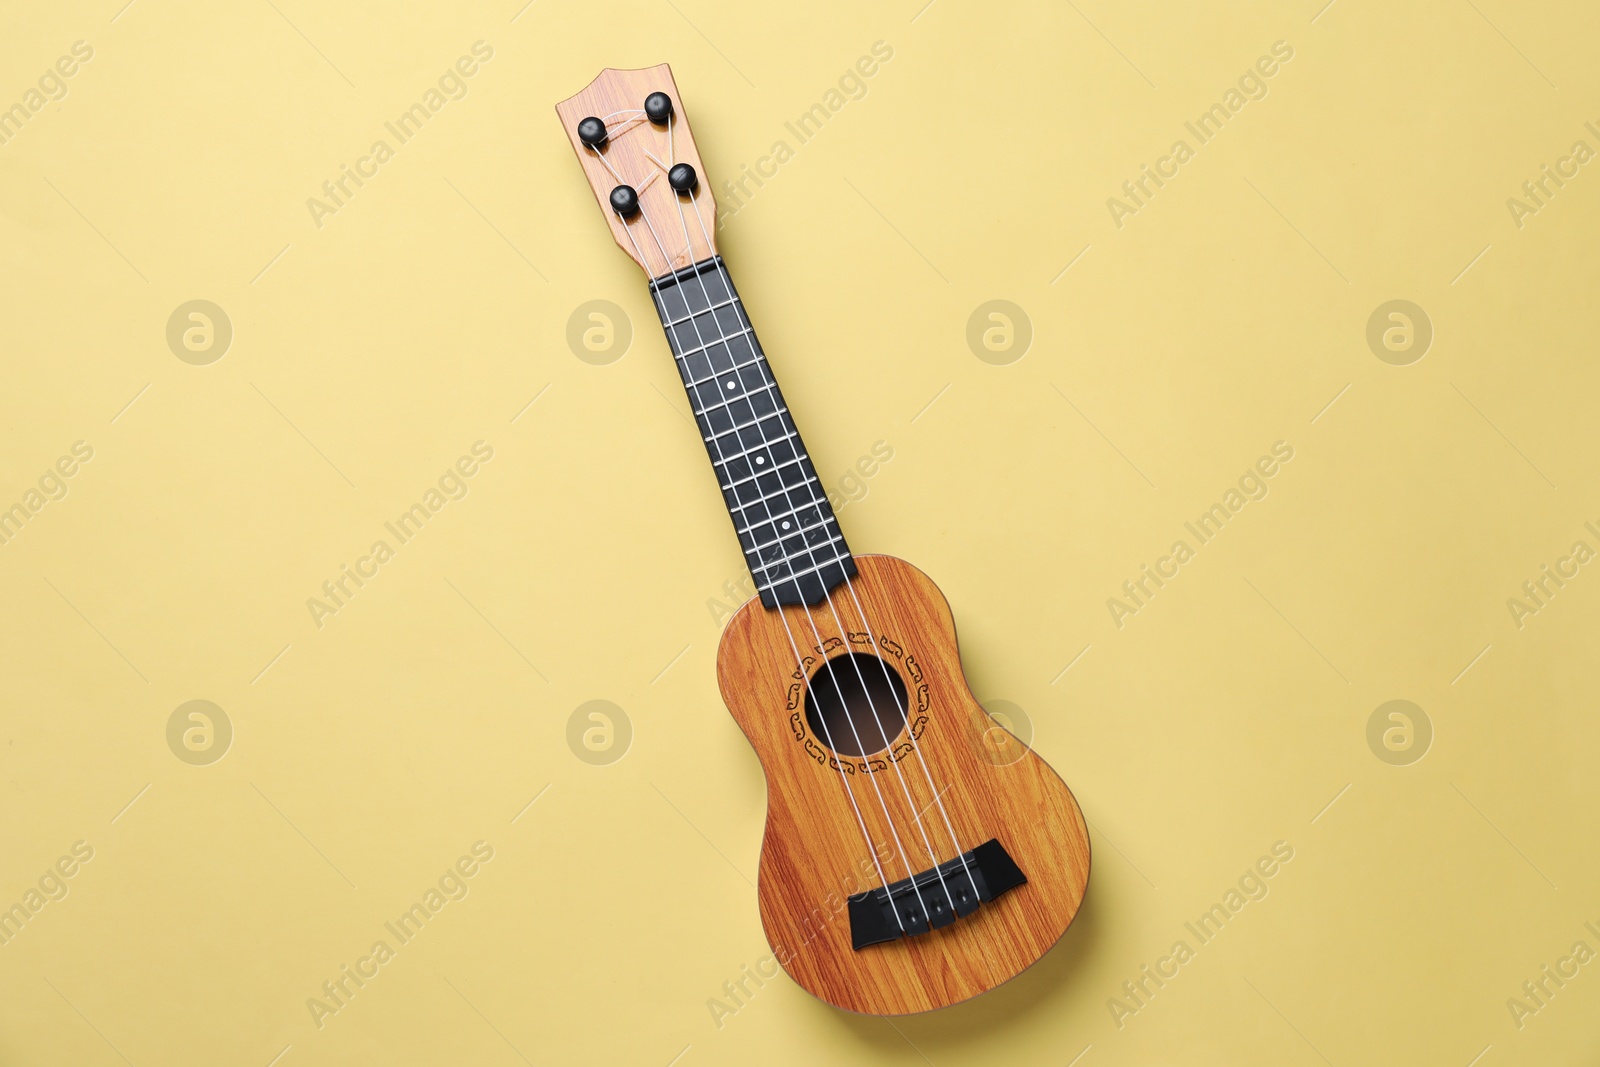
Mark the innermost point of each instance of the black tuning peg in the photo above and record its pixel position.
(683, 178)
(592, 132)
(658, 108)
(624, 201)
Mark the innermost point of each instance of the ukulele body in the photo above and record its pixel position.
(815, 854)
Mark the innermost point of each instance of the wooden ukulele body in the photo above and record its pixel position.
(815, 855)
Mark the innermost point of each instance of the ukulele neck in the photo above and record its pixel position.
(786, 527)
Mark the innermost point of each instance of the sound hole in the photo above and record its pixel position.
(856, 704)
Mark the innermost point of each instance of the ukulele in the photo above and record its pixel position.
(916, 854)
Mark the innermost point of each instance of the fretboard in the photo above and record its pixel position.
(779, 507)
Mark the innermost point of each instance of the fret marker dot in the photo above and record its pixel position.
(760, 460)
(786, 524)
(730, 385)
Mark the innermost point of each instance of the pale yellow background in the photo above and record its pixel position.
(370, 353)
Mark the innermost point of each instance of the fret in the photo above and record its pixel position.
(791, 435)
(794, 546)
(823, 525)
(747, 331)
(779, 449)
(728, 320)
(747, 425)
(763, 471)
(790, 546)
(676, 294)
(713, 307)
(809, 479)
(778, 505)
(757, 409)
(729, 399)
(754, 496)
(721, 356)
(792, 575)
(753, 435)
(723, 390)
(769, 487)
(793, 513)
(757, 362)
(772, 522)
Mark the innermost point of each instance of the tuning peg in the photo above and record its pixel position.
(683, 178)
(592, 132)
(658, 108)
(624, 201)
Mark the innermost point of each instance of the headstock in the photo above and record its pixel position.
(641, 142)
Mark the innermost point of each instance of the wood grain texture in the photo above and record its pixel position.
(814, 853)
(664, 236)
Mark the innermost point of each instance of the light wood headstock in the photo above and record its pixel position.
(668, 230)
